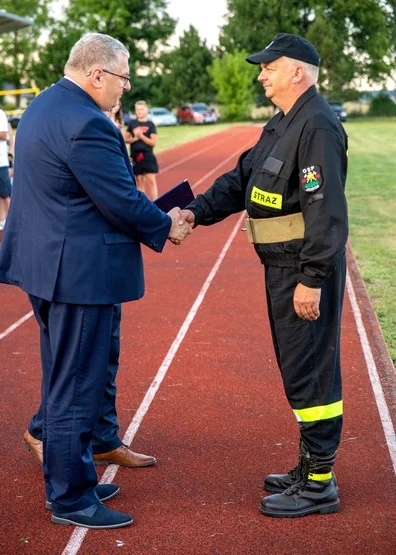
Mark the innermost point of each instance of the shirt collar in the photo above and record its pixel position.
(73, 81)
(279, 123)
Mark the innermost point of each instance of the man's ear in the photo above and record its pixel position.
(298, 74)
(96, 78)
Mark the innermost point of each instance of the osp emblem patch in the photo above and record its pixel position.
(311, 178)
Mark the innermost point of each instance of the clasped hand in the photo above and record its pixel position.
(180, 227)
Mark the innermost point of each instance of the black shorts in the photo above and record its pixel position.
(144, 162)
(5, 182)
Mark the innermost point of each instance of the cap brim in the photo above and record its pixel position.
(264, 57)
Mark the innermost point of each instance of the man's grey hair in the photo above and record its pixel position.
(95, 49)
(309, 69)
(313, 71)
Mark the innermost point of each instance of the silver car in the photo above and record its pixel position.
(162, 116)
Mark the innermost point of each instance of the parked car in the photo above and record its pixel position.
(196, 113)
(339, 110)
(162, 116)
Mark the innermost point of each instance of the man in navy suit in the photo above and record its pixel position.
(73, 242)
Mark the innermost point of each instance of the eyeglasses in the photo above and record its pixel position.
(125, 80)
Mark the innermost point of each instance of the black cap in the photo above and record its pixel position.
(291, 46)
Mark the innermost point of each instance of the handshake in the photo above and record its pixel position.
(182, 225)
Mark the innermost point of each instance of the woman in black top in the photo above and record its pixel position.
(142, 136)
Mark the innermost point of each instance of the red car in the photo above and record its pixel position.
(196, 113)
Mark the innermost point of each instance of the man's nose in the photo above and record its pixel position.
(127, 86)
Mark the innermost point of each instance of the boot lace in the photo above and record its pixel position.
(306, 466)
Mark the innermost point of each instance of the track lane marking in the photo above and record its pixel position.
(16, 325)
(194, 155)
(382, 406)
(79, 534)
(238, 152)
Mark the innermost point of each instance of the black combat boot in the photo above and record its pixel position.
(314, 492)
(278, 483)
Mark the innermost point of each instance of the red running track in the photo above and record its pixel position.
(199, 388)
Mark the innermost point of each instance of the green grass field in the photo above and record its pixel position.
(371, 192)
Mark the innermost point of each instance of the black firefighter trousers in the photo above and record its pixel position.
(308, 355)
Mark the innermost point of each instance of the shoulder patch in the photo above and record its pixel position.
(311, 178)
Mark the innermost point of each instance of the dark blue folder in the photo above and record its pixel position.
(180, 196)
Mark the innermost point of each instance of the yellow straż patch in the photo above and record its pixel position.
(264, 198)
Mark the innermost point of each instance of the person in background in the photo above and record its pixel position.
(5, 181)
(116, 115)
(142, 136)
(10, 151)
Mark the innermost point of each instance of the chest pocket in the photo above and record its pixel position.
(269, 185)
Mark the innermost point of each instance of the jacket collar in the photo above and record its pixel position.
(279, 123)
(73, 87)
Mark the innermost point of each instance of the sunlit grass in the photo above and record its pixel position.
(371, 192)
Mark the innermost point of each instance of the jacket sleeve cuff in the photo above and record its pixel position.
(308, 281)
(198, 213)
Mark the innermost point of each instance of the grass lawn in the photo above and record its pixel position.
(371, 192)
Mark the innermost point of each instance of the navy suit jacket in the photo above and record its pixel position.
(76, 219)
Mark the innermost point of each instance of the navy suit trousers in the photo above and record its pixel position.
(75, 345)
(105, 436)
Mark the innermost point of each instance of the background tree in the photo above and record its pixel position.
(185, 76)
(355, 38)
(18, 48)
(49, 66)
(233, 80)
(142, 25)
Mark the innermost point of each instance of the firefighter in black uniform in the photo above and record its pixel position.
(292, 185)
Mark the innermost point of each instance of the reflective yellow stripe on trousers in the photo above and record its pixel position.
(324, 412)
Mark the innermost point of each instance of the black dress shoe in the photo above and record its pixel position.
(104, 492)
(96, 516)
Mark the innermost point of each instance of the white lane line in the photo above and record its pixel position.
(16, 325)
(194, 155)
(79, 534)
(238, 152)
(383, 410)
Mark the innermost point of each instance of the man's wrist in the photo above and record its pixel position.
(309, 281)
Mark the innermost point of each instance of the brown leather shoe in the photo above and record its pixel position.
(123, 456)
(35, 446)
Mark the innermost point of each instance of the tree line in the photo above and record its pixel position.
(356, 40)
